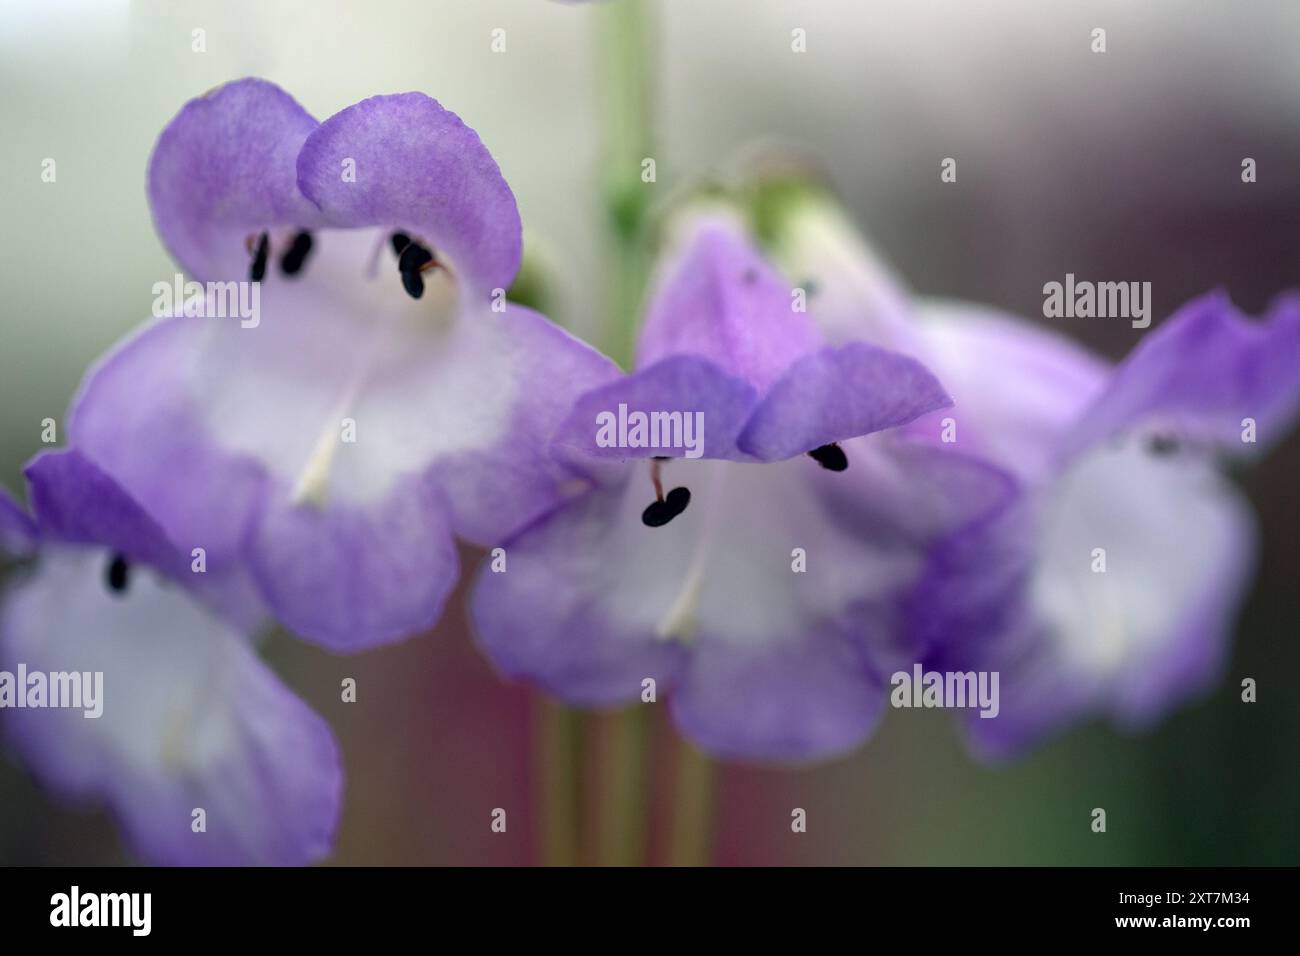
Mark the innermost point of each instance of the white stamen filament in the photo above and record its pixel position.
(678, 623)
(178, 751)
(438, 305)
(175, 745)
(312, 486)
(313, 481)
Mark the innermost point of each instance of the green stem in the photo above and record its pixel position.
(624, 69)
(615, 832)
(556, 743)
(619, 786)
(689, 842)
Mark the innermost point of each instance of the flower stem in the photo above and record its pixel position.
(615, 825)
(624, 59)
(689, 842)
(618, 813)
(555, 743)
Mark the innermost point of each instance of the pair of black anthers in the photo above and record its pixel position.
(663, 510)
(413, 259)
(291, 261)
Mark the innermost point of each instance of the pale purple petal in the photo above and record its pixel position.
(972, 588)
(1200, 375)
(508, 479)
(225, 169)
(811, 697)
(336, 453)
(722, 342)
(420, 169)
(898, 493)
(717, 298)
(539, 618)
(135, 416)
(74, 502)
(683, 385)
(1037, 697)
(853, 295)
(913, 499)
(759, 572)
(1016, 388)
(351, 577)
(190, 720)
(17, 530)
(1024, 595)
(839, 393)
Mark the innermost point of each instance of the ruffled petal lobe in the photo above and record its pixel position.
(404, 162)
(1202, 376)
(191, 720)
(225, 169)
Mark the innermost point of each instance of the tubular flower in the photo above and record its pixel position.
(718, 563)
(200, 752)
(386, 398)
(1107, 584)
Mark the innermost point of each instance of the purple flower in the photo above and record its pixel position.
(387, 399)
(1129, 554)
(189, 718)
(691, 574)
(1108, 585)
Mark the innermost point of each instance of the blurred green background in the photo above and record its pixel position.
(1124, 165)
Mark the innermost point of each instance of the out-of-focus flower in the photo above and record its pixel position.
(764, 605)
(1134, 554)
(1109, 586)
(387, 398)
(200, 752)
